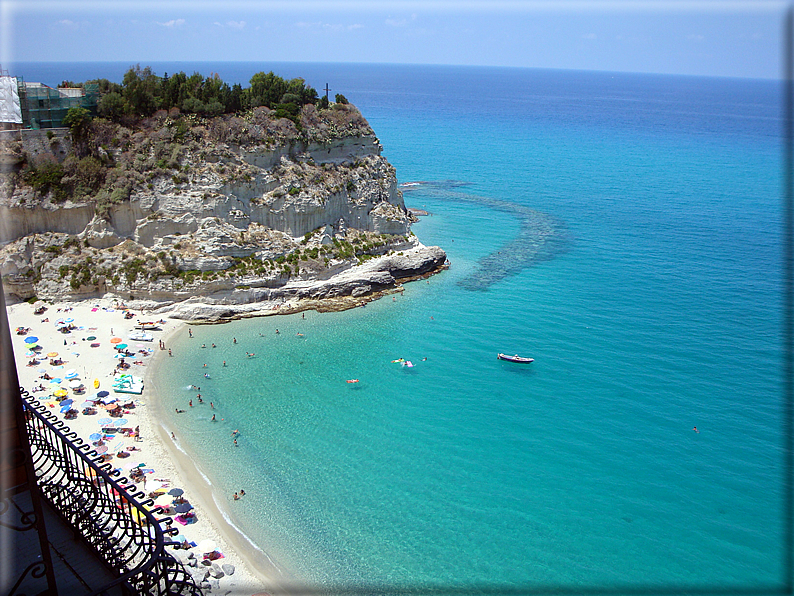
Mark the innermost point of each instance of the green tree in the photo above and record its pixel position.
(341, 98)
(78, 120)
(113, 106)
(141, 90)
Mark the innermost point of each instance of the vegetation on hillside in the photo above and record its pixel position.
(148, 125)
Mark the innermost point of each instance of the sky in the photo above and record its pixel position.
(729, 38)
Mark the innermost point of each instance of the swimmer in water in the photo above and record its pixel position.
(696, 430)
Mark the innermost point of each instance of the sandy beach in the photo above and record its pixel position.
(89, 355)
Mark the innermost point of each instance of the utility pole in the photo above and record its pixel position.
(326, 91)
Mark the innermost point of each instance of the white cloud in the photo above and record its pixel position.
(355, 26)
(173, 23)
(239, 25)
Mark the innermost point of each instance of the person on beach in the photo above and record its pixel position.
(204, 346)
(190, 403)
(235, 432)
(201, 401)
(242, 492)
(169, 352)
(235, 442)
(214, 346)
(696, 430)
(190, 332)
(212, 405)
(236, 497)
(224, 363)
(213, 418)
(173, 436)
(277, 331)
(234, 340)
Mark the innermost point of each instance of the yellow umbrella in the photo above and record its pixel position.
(59, 392)
(52, 355)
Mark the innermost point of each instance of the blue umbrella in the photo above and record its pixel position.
(176, 492)
(67, 402)
(104, 421)
(69, 320)
(94, 437)
(31, 340)
(56, 380)
(183, 507)
(121, 346)
(102, 393)
(66, 408)
(120, 422)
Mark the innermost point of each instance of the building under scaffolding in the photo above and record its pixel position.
(45, 107)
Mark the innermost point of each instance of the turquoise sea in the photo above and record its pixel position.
(622, 229)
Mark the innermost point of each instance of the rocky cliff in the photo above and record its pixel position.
(230, 210)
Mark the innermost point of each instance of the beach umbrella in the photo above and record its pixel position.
(52, 354)
(178, 538)
(30, 354)
(121, 346)
(104, 421)
(31, 339)
(207, 546)
(87, 404)
(183, 508)
(102, 393)
(67, 402)
(59, 393)
(94, 437)
(164, 500)
(120, 422)
(69, 320)
(42, 370)
(102, 449)
(115, 340)
(75, 383)
(109, 400)
(90, 338)
(65, 409)
(177, 492)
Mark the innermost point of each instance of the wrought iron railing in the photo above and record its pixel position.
(105, 508)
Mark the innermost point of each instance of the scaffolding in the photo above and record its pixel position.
(45, 107)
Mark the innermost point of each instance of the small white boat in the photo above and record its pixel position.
(140, 336)
(147, 326)
(516, 358)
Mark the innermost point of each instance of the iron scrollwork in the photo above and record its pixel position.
(105, 508)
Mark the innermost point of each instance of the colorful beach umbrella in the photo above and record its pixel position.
(67, 402)
(91, 338)
(65, 409)
(56, 381)
(69, 320)
(31, 339)
(115, 340)
(94, 437)
(105, 421)
(102, 449)
(52, 354)
(164, 500)
(75, 384)
(60, 393)
(121, 346)
(120, 422)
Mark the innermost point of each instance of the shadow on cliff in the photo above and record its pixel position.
(541, 237)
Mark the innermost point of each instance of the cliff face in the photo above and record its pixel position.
(188, 206)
